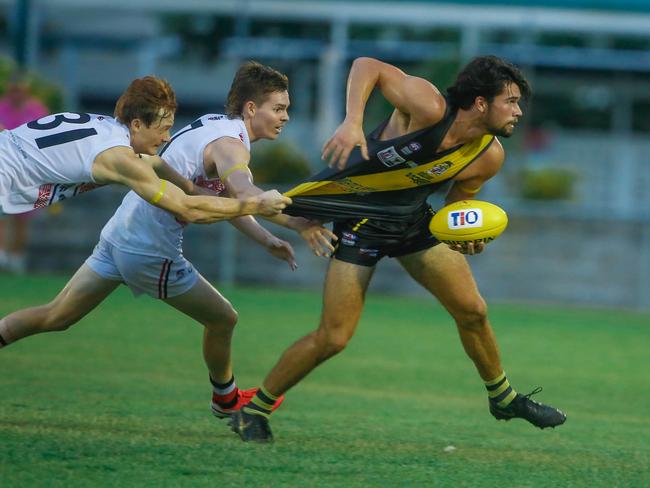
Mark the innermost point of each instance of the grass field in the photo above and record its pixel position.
(122, 399)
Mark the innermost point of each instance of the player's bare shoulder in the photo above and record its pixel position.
(228, 147)
(492, 159)
(115, 163)
(425, 104)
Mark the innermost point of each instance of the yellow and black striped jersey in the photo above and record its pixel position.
(396, 181)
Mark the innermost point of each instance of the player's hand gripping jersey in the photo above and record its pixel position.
(50, 159)
(394, 183)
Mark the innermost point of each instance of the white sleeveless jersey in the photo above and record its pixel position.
(50, 159)
(139, 227)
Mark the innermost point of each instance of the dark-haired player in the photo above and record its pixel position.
(378, 200)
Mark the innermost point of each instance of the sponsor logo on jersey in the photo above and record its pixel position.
(389, 157)
(352, 186)
(428, 176)
(410, 148)
(347, 242)
(181, 272)
(217, 117)
(368, 251)
(438, 169)
(462, 219)
(419, 178)
(350, 235)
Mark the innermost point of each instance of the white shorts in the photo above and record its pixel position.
(155, 276)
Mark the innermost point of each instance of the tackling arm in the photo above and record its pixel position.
(230, 158)
(121, 165)
(165, 172)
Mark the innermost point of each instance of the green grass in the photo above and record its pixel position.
(122, 398)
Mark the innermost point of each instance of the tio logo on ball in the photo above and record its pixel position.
(462, 219)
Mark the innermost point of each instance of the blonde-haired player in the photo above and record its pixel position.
(62, 155)
(141, 245)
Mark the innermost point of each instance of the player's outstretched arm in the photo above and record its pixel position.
(273, 244)
(166, 172)
(122, 166)
(413, 97)
(230, 158)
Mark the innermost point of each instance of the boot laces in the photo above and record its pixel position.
(534, 392)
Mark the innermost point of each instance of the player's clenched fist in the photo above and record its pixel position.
(272, 202)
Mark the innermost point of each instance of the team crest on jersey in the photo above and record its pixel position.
(440, 168)
(389, 157)
(410, 148)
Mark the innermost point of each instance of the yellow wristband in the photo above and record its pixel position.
(471, 192)
(236, 167)
(159, 195)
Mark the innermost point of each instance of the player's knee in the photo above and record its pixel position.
(225, 322)
(332, 343)
(473, 315)
(232, 318)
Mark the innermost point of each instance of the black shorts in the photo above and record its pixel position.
(365, 241)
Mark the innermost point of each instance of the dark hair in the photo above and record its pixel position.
(486, 76)
(253, 82)
(143, 100)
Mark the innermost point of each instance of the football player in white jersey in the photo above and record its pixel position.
(62, 155)
(141, 245)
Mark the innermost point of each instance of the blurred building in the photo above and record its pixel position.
(577, 172)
